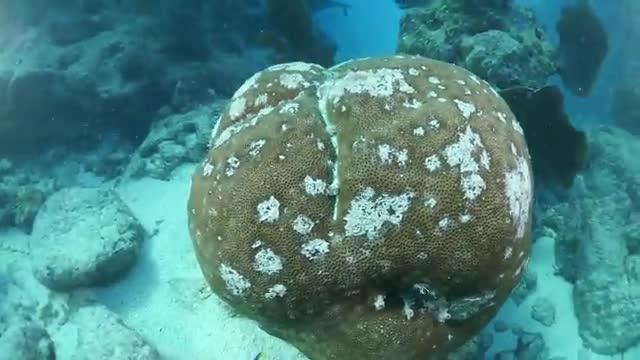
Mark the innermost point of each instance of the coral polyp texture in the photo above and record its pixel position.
(378, 209)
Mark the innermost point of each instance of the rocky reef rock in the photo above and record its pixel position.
(500, 43)
(84, 237)
(79, 71)
(596, 242)
(174, 140)
(27, 341)
(94, 332)
(377, 209)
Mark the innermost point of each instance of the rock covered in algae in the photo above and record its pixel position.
(377, 209)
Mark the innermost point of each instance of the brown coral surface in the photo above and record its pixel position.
(379, 209)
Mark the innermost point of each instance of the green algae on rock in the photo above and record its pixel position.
(380, 208)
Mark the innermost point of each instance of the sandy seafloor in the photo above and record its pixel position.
(166, 300)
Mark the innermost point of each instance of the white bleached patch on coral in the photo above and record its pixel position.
(465, 108)
(256, 146)
(269, 210)
(435, 124)
(303, 225)
(290, 108)
(388, 154)
(419, 131)
(434, 80)
(267, 262)
(461, 154)
(277, 290)
(375, 83)
(315, 249)
(235, 282)
(432, 163)
(406, 309)
(367, 214)
(293, 81)
(519, 191)
(293, 66)
(237, 107)
(314, 187)
(207, 169)
(233, 163)
(261, 100)
(249, 83)
(378, 302)
(227, 133)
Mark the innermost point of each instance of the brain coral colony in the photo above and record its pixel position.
(379, 209)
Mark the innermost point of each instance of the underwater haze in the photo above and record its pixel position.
(319, 179)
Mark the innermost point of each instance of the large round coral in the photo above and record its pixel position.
(378, 209)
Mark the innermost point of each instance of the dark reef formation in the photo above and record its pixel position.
(583, 47)
(558, 150)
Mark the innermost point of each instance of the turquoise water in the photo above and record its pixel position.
(319, 179)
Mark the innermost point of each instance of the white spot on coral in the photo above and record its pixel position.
(269, 210)
(207, 169)
(441, 99)
(256, 146)
(461, 82)
(475, 78)
(320, 145)
(378, 303)
(314, 187)
(367, 215)
(303, 224)
(445, 223)
(435, 124)
(388, 153)
(315, 249)
(290, 108)
(430, 202)
(434, 80)
(413, 72)
(255, 245)
(507, 252)
(277, 290)
(293, 81)
(466, 108)
(406, 309)
(414, 104)
(267, 262)
(232, 165)
(432, 94)
(518, 189)
(419, 131)
(461, 154)
(502, 117)
(432, 163)
(235, 282)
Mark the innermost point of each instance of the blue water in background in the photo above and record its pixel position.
(371, 29)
